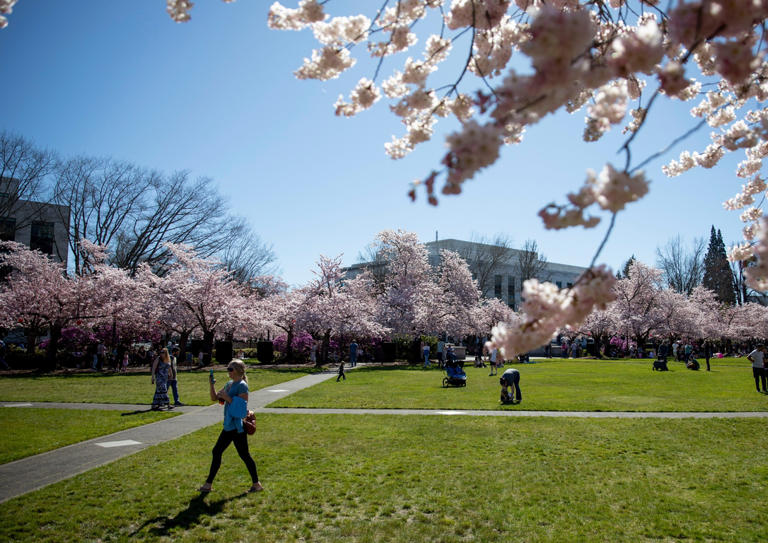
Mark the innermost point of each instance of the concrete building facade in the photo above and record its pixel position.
(38, 225)
(503, 279)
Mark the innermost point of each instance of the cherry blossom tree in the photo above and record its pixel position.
(280, 311)
(36, 294)
(409, 282)
(454, 300)
(197, 290)
(335, 307)
(639, 305)
(40, 297)
(488, 313)
(616, 61)
(601, 326)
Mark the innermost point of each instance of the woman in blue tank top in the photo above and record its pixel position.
(235, 391)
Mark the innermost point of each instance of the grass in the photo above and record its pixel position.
(408, 478)
(29, 431)
(133, 388)
(549, 385)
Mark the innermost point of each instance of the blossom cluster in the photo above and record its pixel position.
(308, 12)
(177, 9)
(598, 55)
(547, 309)
(757, 275)
(611, 190)
(6, 8)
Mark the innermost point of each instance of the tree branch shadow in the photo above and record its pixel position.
(137, 412)
(185, 519)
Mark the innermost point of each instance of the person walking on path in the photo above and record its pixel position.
(173, 382)
(757, 357)
(353, 354)
(341, 371)
(235, 398)
(161, 367)
(509, 380)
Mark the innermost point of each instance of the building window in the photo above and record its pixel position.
(511, 291)
(42, 237)
(497, 286)
(8, 229)
(559, 284)
(570, 285)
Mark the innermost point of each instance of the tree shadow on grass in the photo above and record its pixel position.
(187, 518)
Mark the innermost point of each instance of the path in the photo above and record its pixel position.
(35, 472)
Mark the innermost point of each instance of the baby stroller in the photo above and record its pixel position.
(455, 374)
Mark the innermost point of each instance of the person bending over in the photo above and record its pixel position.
(510, 386)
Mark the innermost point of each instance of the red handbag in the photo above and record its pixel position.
(249, 423)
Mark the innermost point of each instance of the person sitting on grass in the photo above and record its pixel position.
(510, 386)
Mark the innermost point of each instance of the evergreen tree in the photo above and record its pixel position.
(717, 272)
(627, 264)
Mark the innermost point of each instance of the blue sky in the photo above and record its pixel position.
(217, 96)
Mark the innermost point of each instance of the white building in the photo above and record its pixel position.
(40, 226)
(503, 278)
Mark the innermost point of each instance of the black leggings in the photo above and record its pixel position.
(241, 444)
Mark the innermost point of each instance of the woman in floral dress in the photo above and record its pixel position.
(161, 366)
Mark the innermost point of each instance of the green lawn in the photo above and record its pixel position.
(550, 385)
(29, 431)
(126, 388)
(332, 478)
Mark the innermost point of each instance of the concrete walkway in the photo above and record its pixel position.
(518, 413)
(35, 472)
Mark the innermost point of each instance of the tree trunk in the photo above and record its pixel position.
(289, 345)
(183, 338)
(31, 335)
(208, 343)
(53, 347)
(324, 349)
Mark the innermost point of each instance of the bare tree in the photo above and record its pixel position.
(246, 256)
(104, 197)
(744, 293)
(135, 212)
(530, 264)
(374, 260)
(24, 171)
(485, 256)
(682, 269)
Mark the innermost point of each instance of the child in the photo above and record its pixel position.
(341, 371)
